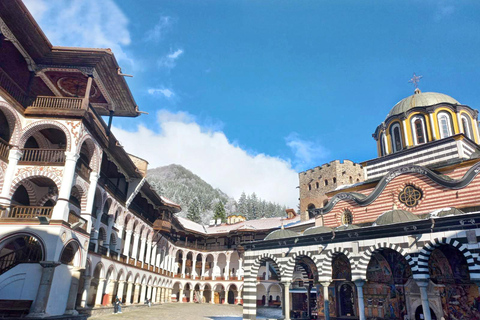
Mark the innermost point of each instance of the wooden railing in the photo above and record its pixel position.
(108, 184)
(26, 254)
(26, 212)
(46, 156)
(12, 88)
(113, 254)
(74, 218)
(102, 250)
(123, 258)
(91, 247)
(4, 150)
(70, 103)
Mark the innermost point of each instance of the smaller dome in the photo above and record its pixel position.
(445, 212)
(346, 227)
(280, 234)
(317, 230)
(395, 216)
(420, 99)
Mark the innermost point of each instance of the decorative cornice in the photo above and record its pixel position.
(362, 200)
(8, 34)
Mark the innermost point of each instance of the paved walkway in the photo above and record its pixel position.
(179, 311)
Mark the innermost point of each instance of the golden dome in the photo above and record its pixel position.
(420, 99)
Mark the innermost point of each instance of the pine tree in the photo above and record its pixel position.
(242, 206)
(194, 211)
(220, 212)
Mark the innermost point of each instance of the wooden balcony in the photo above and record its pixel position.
(42, 156)
(12, 88)
(69, 103)
(74, 218)
(162, 225)
(102, 250)
(25, 212)
(4, 150)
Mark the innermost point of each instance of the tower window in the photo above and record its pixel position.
(444, 124)
(326, 182)
(309, 186)
(334, 180)
(466, 125)
(396, 138)
(317, 185)
(418, 128)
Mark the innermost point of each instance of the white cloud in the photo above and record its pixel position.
(209, 154)
(307, 153)
(160, 29)
(169, 61)
(87, 23)
(167, 93)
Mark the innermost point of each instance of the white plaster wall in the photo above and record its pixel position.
(57, 301)
(21, 282)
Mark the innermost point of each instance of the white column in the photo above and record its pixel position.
(286, 299)
(405, 134)
(226, 274)
(142, 249)
(191, 295)
(14, 155)
(267, 274)
(204, 260)
(184, 262)
(39, 306)
(128, 239)
(149, 251)
(361, 303)
(239, 270)
(86, 287)
(128, 297)
(433, 126)
(423, 285)
(98, 298)
(135, 246)
(214, 276)
(90, 198)
(60, 211)
(180, 295)
(153, 255)
(142, 294)
(326, 302)
(120, 289)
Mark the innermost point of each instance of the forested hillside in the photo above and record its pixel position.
(200, 201)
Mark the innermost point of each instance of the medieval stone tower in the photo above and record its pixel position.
(316, 182)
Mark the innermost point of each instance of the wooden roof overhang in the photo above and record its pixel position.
(18, 26)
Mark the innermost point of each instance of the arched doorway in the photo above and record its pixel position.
(388, 273)
(303, 289)
(343, 288)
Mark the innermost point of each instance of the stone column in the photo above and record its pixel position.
(98, 298)
(201, 296)
(267, 274)
(141, 256)
(120, 289)
(86, 287)
(214, 276)
(128, 298)
(180, 295)
(60, 211)
(423, 285)
(239, 270)
(136, 293)
(212, 296)
(142, 294)
(286, 294)
(225, 297)
(169, 298)
(227, 270)
(72, 294)
(153, 255)
(239, 297)
(191, 295)
(149, 292)
(326, 302)
(149, 251)
(40, 303)
(13, 156)
(361, 302)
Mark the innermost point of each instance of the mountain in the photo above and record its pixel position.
(190, 191)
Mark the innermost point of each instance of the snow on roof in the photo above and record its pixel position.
(259, 224)
(169, 202)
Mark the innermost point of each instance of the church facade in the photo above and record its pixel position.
(403, 243)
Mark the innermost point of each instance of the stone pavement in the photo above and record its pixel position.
(179, 311)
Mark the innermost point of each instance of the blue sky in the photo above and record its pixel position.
(265, 89)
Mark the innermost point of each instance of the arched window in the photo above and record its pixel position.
(317, 185)
(395, 133)
(467, 127)
(326, 182)
(347, 217)
(309, 186)
(419, 132)
(444, 124)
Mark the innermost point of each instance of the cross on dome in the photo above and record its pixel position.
(415, 80)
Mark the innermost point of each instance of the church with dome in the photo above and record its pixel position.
(395, 237)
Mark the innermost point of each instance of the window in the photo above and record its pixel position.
(383, 151)
(396, 137)
(350, 179)
(418, 128)
(309, 186)
(444, 125)
(326, 182)
(334, 180)
(317, 185)
(467, 128)
(347, 217)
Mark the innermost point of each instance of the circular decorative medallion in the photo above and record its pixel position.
(410, 196)
(347, 217)
(75, 87)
